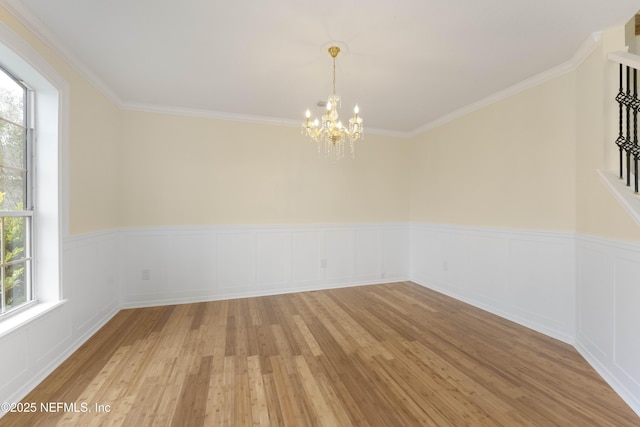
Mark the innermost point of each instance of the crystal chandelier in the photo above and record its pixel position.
(330, 134)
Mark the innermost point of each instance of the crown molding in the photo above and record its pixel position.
(209, 114)
(246, 118)
(588, 46)
(23, 14)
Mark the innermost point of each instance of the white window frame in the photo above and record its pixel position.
(51, 221)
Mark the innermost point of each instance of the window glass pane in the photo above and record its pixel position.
(11, 99)
(12, 189)
(15, 232)
(12, 145)
(15, 237)
(15, 285)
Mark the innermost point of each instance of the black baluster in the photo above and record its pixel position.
(620, 137)
(628, 136)
(636, 105)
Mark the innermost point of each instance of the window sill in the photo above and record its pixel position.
(23, 317)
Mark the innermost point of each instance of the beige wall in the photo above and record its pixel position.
(526, 162)
(529, 161)
(130, 168)
(511, 164)
(95, 155)
(195, 171)
(93, 143)
(598, 213)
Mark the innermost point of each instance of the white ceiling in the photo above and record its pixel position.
(407, 64)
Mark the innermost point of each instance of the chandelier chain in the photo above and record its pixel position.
(334, 76)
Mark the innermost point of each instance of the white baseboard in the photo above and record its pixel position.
(252, 294)
(630, 399)
(528, 323)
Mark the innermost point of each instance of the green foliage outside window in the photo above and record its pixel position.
(14, 247)
(13, 192)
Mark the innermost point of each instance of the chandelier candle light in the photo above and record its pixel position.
(331, 134)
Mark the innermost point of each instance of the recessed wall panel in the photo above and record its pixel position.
(595, 299)
(627, 317)
(338, 253)
(305, 256)
(273, 260)
(541, 279)
(489, 268)
(190, 265)
(395, 241)
(367, 254)
(236, 261)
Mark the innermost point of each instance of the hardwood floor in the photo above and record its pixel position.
(382, 355)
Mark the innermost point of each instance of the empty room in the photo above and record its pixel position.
(409, 213)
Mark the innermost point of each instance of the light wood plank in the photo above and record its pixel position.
(390, 355)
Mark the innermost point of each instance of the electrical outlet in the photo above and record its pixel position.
(382, 275)
(445, 266)
(323, 263)
(146, 274)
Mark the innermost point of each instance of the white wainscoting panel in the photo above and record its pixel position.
(306, 255)
(395, 249)
(627, 332)
(595, 289)
(52, 331)
(15, 363)
(338, 253)
(193, 266)
(367, 254)
(608, 333)
(90, 288)
(170, 265)
(90, 276)
(579, 289)
(236, 260)
(524, 276)
(144, 261)
(542, 281)
(488, 273)
(274, 261)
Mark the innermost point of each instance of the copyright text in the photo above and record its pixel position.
(54, 407)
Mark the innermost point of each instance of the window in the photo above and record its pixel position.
(43, 220)
(16, 194)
